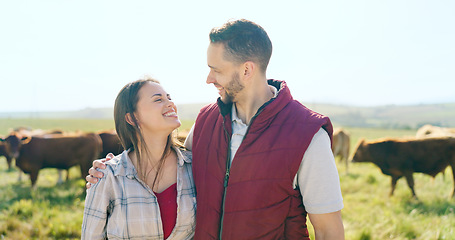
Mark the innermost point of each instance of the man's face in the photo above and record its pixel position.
(224, 75)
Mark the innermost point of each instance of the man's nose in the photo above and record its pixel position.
(210, 78)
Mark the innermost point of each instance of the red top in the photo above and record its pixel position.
(167, 200)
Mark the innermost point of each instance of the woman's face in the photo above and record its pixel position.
(155, 112)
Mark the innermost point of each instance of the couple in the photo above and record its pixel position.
(260, 161)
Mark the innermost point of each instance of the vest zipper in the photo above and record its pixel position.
(226, 176)
(228, 160)
(228, 165)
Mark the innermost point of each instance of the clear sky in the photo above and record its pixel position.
(69, 55)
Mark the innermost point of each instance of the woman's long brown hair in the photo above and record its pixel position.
(130, 134)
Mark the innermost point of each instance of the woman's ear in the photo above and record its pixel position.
(129, 119)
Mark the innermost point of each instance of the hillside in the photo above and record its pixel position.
(391, 116)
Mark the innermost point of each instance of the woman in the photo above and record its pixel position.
(147, 192)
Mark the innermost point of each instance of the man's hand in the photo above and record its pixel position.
(93, 174)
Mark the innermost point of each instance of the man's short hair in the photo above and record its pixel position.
(243, 41)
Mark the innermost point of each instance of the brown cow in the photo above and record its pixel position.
(4, 153)
(340, 145)
(111, 143)
(434, 131)
(60, 152)
(398, 158)
(21, 136)
(12, 144)
(16, 138)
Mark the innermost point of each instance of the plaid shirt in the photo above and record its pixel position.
(121, 206)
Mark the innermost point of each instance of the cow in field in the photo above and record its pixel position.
(12, 143)
(4, 153)
(340, 145)
(22, 135)
(61, 152)
(398, 158)
(111, 143)
(434, 131)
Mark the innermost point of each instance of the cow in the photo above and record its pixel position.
(61, 152)
(434, 131)
(21, 136)
(111, 143)
(403, 157)
(4, 153)
(12, 143)
(340, 145)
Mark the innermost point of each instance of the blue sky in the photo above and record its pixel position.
(69, 55)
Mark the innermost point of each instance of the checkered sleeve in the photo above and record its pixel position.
(97, 207)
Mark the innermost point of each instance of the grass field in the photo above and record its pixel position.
(55, 211)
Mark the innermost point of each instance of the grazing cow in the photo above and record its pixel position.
(340, 145)
(21, 136)
(4, 153)
(434, 131)
(12, 144)
(61, 152)
(111, 143)
(398, 158)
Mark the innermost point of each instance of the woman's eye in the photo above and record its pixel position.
(158, 100)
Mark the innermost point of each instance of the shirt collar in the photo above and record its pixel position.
(236, 118)
(183, 156)
(122, 165)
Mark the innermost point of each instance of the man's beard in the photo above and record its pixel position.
(232, 89)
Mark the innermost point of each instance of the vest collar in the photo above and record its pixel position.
(236, 118)
(282, 93)
(275, 105)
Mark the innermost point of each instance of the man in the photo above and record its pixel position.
(261, 160)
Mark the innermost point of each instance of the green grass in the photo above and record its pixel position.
(370, 213)
(55, 211)
(48, 212)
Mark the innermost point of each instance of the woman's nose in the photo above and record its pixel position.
(170, 103)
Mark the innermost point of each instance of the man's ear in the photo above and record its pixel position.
(129, 119)
(248, 69)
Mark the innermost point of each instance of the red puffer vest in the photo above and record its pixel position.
(255, 198)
